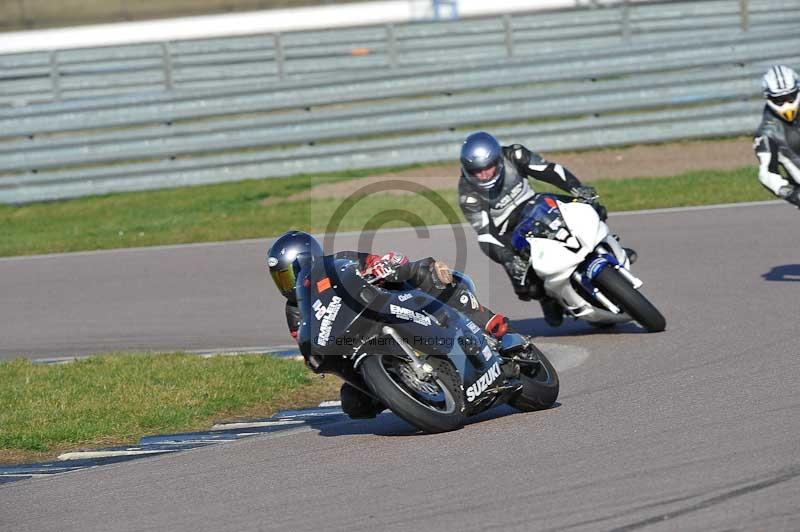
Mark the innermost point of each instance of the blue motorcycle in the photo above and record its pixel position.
(428, 363)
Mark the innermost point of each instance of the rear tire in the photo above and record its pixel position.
(539, 385)
(625, 296)
(439, 412)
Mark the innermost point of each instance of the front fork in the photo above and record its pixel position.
(626, 273)
(422, 369)
(622, 267)
(596, 263)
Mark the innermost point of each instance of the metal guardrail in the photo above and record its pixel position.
(635, 88)
(583, 134)
(165, 107)
(439, 111)
(383, 119)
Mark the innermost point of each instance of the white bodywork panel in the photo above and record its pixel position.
(555, 262)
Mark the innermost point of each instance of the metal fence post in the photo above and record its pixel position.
(626, 20)
(509, 35)
(744, 13)
(391, 46)
(55, 75)
(280, 66)
(166, 61)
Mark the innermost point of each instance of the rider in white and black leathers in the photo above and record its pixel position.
(493, 190)
(777, 141)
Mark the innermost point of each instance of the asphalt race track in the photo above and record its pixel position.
(696, 428)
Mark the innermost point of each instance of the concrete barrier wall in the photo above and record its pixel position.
(270, 21)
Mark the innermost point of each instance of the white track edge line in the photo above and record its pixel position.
(81, 455)
(255, 424)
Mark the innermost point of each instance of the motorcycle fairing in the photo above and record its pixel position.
(584, 223)
(450, 334)
(320, 289)
(596, 263)
(592, 266)
(551, 255)
(555, 259)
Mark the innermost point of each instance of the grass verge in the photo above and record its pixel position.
(118, 398)
(235, 210)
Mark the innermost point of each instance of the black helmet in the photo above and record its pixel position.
(286, 258)
(482, 160)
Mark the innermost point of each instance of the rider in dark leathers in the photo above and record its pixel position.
(391, 270)
(494, 189)
(777, 140)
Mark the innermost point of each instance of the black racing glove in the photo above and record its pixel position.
(590, 195)
(585, 193)
(790, 194)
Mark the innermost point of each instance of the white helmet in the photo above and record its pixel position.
(780, 86)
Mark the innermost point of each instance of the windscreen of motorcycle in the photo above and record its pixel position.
(540, 219)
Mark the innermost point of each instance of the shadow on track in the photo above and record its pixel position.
(787, 272)
(388, 424)
(537, 327)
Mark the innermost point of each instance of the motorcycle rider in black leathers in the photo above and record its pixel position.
(777, 140)
(493, 191)
(390, 270)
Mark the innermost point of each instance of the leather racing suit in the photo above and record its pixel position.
(495, 213)
(394, 270)
(777, 145)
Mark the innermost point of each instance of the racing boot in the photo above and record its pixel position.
(553, 313)
(507, 343)
(357, 404)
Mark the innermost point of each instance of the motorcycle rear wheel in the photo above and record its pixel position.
(539, 384)
(431, 406)
(625, 296)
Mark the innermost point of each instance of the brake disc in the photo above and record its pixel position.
(409, 377)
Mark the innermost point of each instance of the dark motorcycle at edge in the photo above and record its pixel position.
(425, 361)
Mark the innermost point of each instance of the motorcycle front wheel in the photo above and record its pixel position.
(625, 296)
(539, 384)
(432, 405)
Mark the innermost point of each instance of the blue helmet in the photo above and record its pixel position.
(287, 256)
(482, 160)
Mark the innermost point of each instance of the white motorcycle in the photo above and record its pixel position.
(582, 265)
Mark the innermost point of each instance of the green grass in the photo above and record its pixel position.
(118, 398)
(190, 214)
(234, 210)
(694, 188)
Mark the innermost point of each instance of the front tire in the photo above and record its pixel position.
(625, 296)
(539, 384)
(431, 406)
